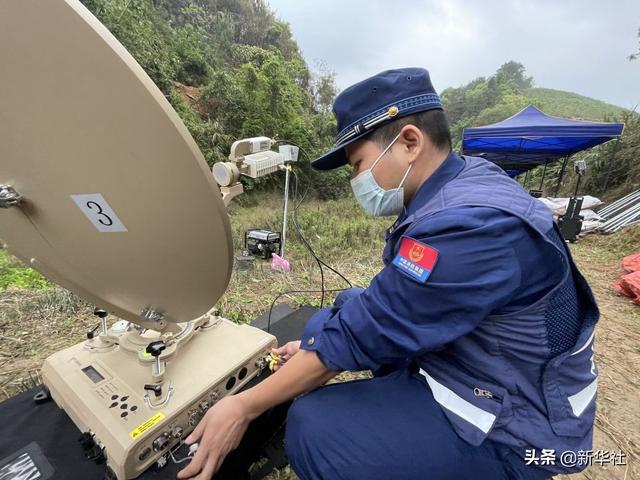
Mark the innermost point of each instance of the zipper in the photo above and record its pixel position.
(479, 392)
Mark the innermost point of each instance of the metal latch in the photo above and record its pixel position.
(9, 197)
(149, 313)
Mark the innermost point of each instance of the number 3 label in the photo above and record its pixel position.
(96, 208)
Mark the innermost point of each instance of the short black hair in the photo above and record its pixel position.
(433, 123)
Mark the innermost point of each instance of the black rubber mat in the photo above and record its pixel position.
(24, 422)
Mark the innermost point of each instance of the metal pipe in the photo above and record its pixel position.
(629, 213)
(622, 216)
(622, 200)
(618, 203)
(623, 211)
(628, 217)
(286, 205)
(624, 224)
(626, 206)
(622, 219)
(613, 221)
(615, 211)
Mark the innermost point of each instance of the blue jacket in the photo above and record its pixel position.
(479, 295)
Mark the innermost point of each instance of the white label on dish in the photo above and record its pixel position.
(96, 208)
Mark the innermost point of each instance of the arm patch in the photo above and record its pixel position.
(415, 259)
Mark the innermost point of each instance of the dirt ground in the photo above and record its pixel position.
(617, 354)
(35, 323)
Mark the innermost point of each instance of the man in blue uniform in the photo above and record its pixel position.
(479, 329)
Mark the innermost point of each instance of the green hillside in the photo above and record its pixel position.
(571, 105)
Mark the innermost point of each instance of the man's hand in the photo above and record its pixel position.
(285, 352)
(219, 432)
(223, 426)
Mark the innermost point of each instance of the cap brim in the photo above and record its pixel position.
(334, 158)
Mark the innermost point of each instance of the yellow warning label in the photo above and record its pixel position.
(152, 422)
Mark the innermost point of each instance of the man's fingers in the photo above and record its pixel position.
(280, 350)
(197, 432)
(281, 361)
(209, 469)
(289, 348)
(293, 347)
(194, 467)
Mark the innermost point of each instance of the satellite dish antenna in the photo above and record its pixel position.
(104, 192)
(117, 203)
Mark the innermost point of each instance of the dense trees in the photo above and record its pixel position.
(250, 76)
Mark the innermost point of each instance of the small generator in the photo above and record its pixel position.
(262, 243)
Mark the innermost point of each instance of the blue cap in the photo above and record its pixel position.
(374, 102)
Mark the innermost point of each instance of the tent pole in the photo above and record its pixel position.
(526, 179)
(544, 171)
(564, 165)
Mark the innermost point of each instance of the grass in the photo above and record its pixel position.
(14, 274)
(339, 233)
(617, 352)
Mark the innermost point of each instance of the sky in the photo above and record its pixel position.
(575, 45)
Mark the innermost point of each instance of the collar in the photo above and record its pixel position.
(447, 171)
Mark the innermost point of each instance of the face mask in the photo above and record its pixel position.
(374, 199)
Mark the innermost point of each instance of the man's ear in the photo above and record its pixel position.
(411, 141)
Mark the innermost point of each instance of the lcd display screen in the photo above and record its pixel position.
(93, 374)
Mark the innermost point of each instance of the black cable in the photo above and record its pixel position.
(319, 261)
(298, 229)
(304, 240)
(298, 205)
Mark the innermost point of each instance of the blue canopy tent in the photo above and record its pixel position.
(531, 138)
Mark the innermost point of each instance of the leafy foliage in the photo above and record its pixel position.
(14, 274)
(250, 76)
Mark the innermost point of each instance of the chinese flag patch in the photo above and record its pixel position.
(416, 259)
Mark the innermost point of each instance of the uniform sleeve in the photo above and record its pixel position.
(399, 316)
